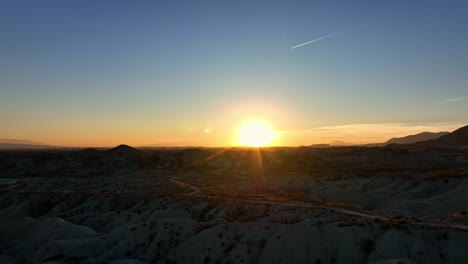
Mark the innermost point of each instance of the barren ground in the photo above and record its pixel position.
(278, 205)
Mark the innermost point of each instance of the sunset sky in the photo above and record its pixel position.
(102, 73)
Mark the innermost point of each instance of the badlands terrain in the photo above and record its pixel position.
(392, 204)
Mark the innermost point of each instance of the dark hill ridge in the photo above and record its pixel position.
(458, 138)
(90, 150)
(7, 143)
(122, 148)
(126, 152)
(340, 143)
(20, 142)
(11, 146)
(321, 146)
(424, 136)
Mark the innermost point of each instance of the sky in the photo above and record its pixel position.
(102, 73)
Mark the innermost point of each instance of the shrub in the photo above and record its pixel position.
(367, 245)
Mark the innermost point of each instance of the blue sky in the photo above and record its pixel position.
(107, 72)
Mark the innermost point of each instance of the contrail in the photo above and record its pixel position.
(324, 37)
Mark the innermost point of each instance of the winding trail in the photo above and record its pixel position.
(196, 191)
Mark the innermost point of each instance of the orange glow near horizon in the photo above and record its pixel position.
(224, 131)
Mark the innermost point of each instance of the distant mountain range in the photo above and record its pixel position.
(7, 143)
(321, 146)
(340, 143)
(171, 144)
(410, 139)
(19, 141)
(458, 138)
(424, 136)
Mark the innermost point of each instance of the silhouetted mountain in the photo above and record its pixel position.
(6, 143)
(19, 141)
(124, 149)
(90, 151)
(340, 143)
(125, 156)
(424, 136)
(22, 146)
(320, 146)
(458, 138)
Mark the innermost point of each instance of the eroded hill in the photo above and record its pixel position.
(279, 205)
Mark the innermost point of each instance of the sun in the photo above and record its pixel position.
(255, 134)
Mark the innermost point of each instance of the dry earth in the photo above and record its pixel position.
(279, 205)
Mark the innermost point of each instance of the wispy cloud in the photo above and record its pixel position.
(453, 100)
(362, 133)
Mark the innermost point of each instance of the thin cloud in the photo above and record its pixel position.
(453, 100)
(362, 133)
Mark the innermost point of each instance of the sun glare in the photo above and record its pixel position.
(255, 134)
